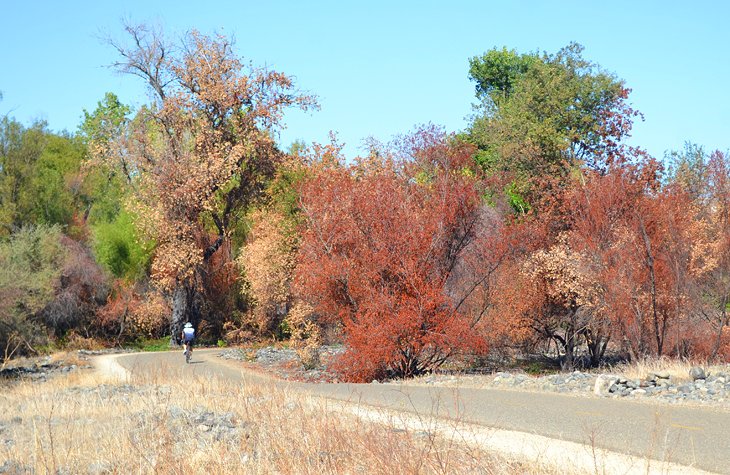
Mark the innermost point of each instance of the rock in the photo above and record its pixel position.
(685, 388)
(662, 374)
(638, 392)
(697, 372)
(604, 384)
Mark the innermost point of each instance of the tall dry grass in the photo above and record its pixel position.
(678, 369)
(165, 423)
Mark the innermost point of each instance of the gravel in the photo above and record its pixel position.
(286, 363)
(713, 389)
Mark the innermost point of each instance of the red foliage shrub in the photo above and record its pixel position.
(379, 247)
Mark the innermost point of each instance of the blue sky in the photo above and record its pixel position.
(381, 67)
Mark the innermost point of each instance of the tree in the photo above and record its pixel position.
(269, 256)
(381, 240)
(268, 260)
(545, 115)
(108, 173)
(639, 236)
(705, 178)
(20, 150)
(564, 299)
(497, 72)
(120, 250)
(81, 290)
(37, 175)
(717, 283)
(202, 151)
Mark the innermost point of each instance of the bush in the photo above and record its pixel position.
(377, 254)
(81, 290)
(118, 249)
(31, 260)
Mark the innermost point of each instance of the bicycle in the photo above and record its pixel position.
(188, 351)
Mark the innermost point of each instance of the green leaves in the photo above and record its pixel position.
(118, 248)
(30, 263)
(543, 115)
(497, 71)
(38, 171)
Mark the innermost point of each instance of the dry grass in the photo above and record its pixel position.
(166, 424)
(677, 369)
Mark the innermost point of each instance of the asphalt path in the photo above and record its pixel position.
(681, 434)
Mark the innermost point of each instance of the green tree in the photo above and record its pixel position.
(109, 173)
(20, 149)
(546, 115)
(54, 182)
(119, 248)
(38, 175)
(496, 72)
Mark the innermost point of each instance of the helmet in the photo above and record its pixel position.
(188, 325)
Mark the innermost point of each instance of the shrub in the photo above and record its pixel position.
(378, 251)
(81, 290)
(31, 262)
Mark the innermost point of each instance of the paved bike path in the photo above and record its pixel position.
(693, 436)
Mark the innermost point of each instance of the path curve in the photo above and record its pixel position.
(584, 431)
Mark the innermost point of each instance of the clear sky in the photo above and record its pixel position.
(381, 67)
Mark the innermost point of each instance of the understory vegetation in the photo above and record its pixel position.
(537, 229)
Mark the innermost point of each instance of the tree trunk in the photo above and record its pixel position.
(658, 334)
(723, 321)
(180, 310)
(568, 363)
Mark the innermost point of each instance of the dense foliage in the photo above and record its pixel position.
(536, 229)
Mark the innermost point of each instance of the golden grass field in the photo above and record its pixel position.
(81, 423)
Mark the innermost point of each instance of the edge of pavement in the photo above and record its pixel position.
(540, 450)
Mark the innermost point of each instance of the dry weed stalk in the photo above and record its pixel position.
(165, 423)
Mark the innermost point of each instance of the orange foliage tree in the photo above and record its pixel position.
(201, 152)
(382, 238)
(639, 237)
(268, 260)
(707, 181)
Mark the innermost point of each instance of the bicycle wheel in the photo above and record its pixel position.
(188, 355)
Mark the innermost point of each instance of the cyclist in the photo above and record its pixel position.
(188, 336)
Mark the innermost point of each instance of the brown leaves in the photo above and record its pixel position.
(205, 147)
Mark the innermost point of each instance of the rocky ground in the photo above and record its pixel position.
(700, 385)
(286, 363)
(42, 367)
(712, 388)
